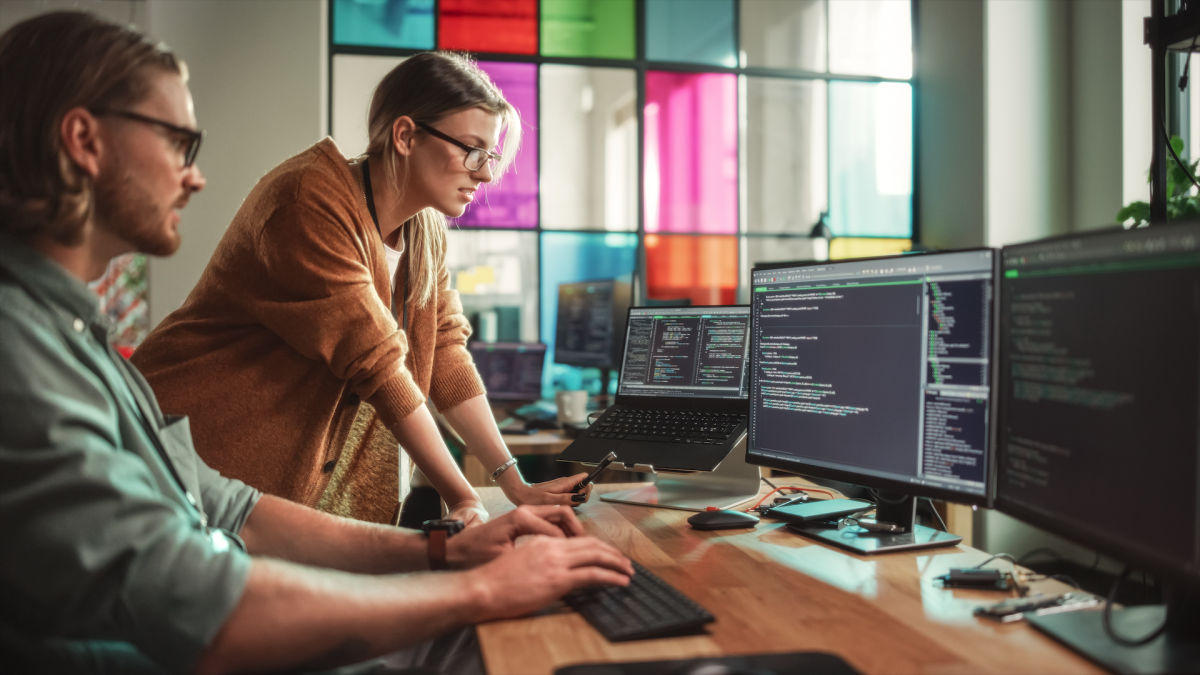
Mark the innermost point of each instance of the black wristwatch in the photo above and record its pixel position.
(438, 531)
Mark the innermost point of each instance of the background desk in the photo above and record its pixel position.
(773, 591)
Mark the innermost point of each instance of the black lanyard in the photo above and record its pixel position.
(375, 217)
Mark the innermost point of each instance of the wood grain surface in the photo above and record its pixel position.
(775, 591)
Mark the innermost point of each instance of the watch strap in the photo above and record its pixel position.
(437, 549)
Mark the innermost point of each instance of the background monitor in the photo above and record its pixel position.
(1099, 424)
(511, 371)
(591, 321)
(877, 372)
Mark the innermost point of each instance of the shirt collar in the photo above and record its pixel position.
(47, 281)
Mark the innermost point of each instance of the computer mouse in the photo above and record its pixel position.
(722, 520)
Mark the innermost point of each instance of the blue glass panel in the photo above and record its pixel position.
(693, 31)
(407, 24)
(870, 159)
(568, 257)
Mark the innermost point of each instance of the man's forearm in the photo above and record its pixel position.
(292, 617)
(281, 529)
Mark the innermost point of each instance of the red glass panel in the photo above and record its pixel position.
(703, 269)
(498, 26)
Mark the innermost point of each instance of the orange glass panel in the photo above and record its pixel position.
(497, 26)
(703, 269)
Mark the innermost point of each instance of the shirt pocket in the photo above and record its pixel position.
(176, 435)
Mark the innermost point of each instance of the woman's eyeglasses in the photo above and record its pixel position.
(476, 157)
(190, 145)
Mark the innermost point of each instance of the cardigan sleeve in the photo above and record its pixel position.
(315, 290)
(454, 378)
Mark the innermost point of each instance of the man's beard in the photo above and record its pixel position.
(125, 208)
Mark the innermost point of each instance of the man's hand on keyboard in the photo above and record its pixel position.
(542, 569)
(478, 545)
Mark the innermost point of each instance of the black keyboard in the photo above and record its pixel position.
(647, 608)
(666, 426)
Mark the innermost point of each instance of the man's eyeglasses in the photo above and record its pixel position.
(190, 146)
(476, 157)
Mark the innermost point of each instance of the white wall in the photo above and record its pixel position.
(258, 77)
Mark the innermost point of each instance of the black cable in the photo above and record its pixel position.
(1187, 64)
(1178, 161)
(998, 556)
(879, 498)
(764, 479)
(1107, 620)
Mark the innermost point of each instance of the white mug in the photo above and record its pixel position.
(572, 406)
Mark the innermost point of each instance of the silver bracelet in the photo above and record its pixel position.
(502, 468)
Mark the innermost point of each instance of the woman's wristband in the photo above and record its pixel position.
(502, 468)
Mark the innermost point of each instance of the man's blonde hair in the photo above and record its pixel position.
(49, 65)
(428, 87)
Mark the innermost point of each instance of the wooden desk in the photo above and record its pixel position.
(774, 591)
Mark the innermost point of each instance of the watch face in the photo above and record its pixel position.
(450, 526)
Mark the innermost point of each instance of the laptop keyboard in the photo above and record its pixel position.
(647, 608)
(666, 426)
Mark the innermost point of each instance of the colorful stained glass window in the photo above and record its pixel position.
(786, 158)
(870, 159)
(513, 200)
(871, 37)
(405, 24)
(674, 142)
(568, 257)
(495, 273)
(589, 150)
(691, 31)
(691, 153)
(588, 28)
(495, 26)
(787, 34)
(123, 294)
(703, 269)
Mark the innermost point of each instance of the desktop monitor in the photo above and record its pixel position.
(590, 325)
(511, 371)
(1099, 351)
(877, 372)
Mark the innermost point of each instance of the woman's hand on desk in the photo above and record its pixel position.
(469, 511)
(553, 492)
(542, 569)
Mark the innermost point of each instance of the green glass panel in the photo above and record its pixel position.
(691, 31)
(406, 24)
(588, 28)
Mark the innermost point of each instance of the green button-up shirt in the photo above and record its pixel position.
(112, 555)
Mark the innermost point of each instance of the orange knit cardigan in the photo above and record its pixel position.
(289, 332)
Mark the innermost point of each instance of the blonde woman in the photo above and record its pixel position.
(325, 317)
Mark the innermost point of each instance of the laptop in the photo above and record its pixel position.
(682, 393)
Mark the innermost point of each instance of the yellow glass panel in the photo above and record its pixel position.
(866, 247)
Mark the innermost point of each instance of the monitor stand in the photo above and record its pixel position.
(896, 509)
(733, 482)
(1177, 650)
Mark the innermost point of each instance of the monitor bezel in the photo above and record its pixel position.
(509, 346)
(701, 403)
(1081, 533)
(877, 482)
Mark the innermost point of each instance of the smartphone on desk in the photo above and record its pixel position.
(817, 511)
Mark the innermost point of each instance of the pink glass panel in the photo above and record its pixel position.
(691, 153)
(514, 201)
